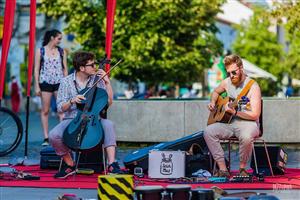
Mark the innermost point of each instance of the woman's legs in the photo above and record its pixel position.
(46, 100)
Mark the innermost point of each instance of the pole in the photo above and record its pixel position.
(30, 66)
(26, 126)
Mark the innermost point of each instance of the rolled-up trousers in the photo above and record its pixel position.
(244, 130)
(56, 136)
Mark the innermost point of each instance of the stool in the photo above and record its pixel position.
(88, 161)
(149, 192)
(178, 192)
(202, 194)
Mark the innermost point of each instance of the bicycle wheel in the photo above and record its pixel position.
(11, 131)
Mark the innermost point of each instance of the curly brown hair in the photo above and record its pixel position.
(81, 58)
(231, 59)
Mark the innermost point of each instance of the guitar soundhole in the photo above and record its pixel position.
(222, 109)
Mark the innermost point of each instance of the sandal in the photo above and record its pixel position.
(222, 173)
(243, 172)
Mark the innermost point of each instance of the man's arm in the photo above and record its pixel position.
(107, 85)
(255, 103)
(64, 101)
(215, 94)
(109, 92)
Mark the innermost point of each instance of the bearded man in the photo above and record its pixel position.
(244, 123)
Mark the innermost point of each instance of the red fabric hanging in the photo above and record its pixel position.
(110, 13)
(31, 44)
(8, 23)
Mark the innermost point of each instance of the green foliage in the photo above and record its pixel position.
(259, 45)
(160, 41)
(292, 61)
(85, 19)
(287, 14)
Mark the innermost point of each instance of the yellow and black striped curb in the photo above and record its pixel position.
(115, 187)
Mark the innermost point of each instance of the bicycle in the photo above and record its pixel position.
(11, 131)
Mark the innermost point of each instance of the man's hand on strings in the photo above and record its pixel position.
(211, 106)
(101, 73)
(229, 108)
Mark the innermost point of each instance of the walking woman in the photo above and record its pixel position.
(50, 68)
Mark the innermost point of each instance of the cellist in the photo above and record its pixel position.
(68, 95)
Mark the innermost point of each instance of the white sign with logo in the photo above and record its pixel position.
(166, 164)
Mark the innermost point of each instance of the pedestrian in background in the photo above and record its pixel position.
(15, 94)
(50, 68)
(289, 90)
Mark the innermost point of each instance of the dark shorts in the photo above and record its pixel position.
(46, 87)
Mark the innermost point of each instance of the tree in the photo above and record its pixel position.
(287, 14)
(257, 44)
(161, 41)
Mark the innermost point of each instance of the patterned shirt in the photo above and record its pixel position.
(52, 70)
(68, 89)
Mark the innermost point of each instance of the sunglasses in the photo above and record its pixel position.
(91, 65)
(233, 73)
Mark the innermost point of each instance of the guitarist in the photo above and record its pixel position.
(67, 97)
(245, 121)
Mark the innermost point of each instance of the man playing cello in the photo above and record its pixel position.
(67, 97)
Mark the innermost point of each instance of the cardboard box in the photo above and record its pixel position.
(166, 164)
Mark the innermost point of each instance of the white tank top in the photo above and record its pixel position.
(233, 92)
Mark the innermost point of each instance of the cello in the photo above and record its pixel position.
(85, 131)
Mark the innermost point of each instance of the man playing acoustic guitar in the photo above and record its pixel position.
(241, 116)
(67, 97)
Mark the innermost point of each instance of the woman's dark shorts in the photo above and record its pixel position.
(46, 87)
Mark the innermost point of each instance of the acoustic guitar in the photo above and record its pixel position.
(219, 114)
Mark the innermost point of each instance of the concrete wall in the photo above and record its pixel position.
(163, 120)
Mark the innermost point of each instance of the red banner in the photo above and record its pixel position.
(110, 13)
(8, 23)
(31, 44)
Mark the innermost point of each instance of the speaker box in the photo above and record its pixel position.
(278, 159)
(89, 159)
(49, 159)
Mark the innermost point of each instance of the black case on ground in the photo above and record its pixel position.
(91, 159)
(49, 159)
(139, 158)
(278, 159)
